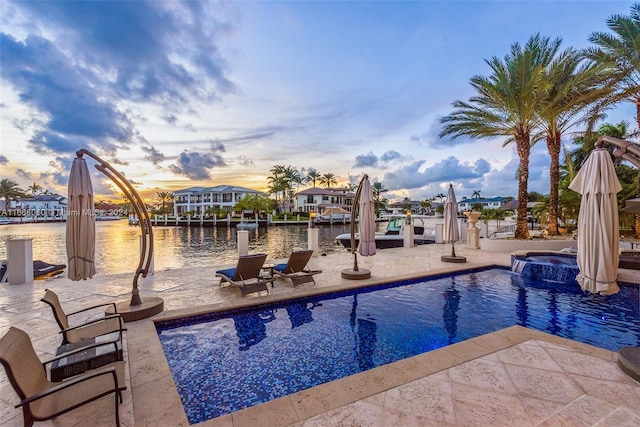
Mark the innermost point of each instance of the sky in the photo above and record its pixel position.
(176, 94)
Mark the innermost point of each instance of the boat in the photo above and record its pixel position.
(393, 235)
(247, 225)
(333, 214)
(41, 270)
(108, 218)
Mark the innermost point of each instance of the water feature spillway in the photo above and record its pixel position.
(547, 266)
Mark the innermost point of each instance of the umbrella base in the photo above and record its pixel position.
(351, 274)
(452, 258)
(149, 307)
(629, 361)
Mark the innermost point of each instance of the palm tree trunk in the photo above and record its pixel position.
(524, 149)
(553, 146)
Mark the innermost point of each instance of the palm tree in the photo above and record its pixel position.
(34, 188)
(277, 183)
(379, 201)
(572, 87)
(164, 197)
(328, 179)
(505, 106)
(312, 176)
(292, 176)
(441, 196)
(9, 190)
(406, 204)
(425, 205)
(620, 51)
(476, 194)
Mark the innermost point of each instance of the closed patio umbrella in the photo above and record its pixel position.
(451, 230)
(81, 224)
(367, 223)
(598, 228)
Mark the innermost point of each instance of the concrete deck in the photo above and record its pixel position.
(516, 376)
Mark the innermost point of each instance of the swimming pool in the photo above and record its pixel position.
(223, 362)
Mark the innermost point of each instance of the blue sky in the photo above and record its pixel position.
(182, 93)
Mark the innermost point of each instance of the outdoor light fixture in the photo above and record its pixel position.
(312, 219)
(408, 217)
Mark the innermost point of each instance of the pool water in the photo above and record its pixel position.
(224, 362)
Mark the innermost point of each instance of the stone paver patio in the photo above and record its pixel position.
(516, 376)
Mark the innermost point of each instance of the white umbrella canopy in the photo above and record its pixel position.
(81, 225)
(451, 230)
(367, 223)
(598, 228)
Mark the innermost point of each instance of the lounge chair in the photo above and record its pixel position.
(91, 329)
(296, 268)
(247, 274)
(42, 399)
(41, 270)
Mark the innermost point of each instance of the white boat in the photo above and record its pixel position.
(108, 218)
(393, 235)
(333, 214)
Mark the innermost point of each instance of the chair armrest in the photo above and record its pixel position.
(101, 319)
(70, 382)
(113, 304)
(79, 350)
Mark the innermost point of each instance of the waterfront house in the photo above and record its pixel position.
(318, 199)
(492, 203)
(40, 206)
(199, 199)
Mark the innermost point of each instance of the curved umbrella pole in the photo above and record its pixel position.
(136, 310)
(356, 273)
(356, 209)
(626, 150)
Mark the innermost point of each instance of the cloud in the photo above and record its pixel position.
(3, 160)
(447, 170)
(431, 137)
(116, 161)
(44, 78)
(23, 174)
(196, 165)
(245, 161)
(75, 62)
(153, 155)
(366, 160)
(390, 155)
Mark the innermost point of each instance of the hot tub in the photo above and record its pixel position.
(560, 267)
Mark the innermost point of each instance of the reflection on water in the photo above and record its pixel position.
(117, 244)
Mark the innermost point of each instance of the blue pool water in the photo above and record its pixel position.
(227, 361)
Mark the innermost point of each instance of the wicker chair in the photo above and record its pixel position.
(91, 329)
(42, 399)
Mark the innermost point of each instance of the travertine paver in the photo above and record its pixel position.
(515, 376)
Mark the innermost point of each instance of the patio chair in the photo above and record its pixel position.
(296, 268)
(247, 274)
(42, 399)
(90, 329)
